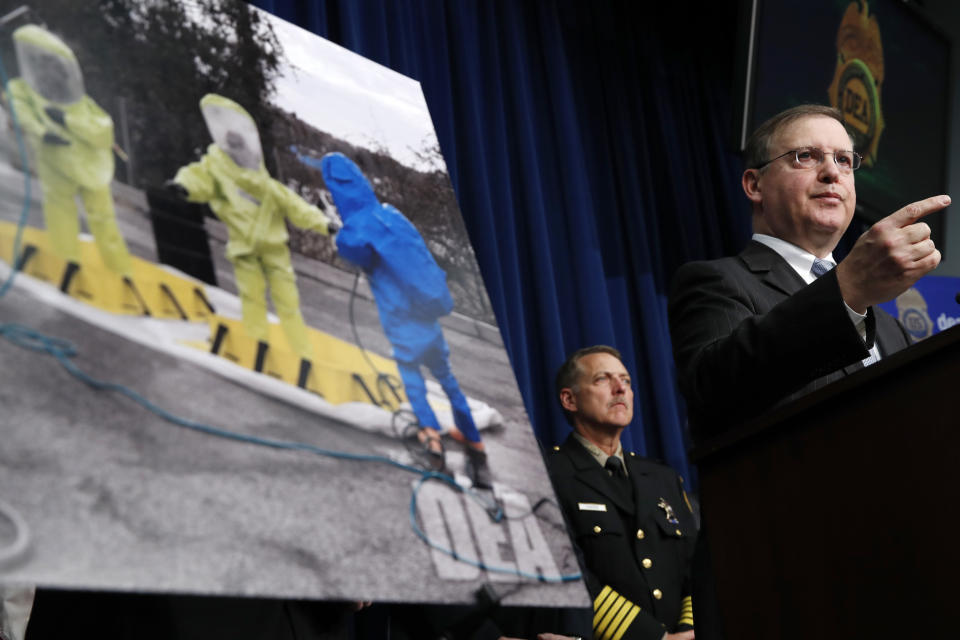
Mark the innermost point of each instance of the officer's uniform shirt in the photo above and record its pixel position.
(599, 454)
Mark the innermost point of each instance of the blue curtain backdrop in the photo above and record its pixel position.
(588, 146)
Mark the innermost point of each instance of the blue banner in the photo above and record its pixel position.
(928, 307)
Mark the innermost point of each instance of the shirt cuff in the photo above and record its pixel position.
(859, 322)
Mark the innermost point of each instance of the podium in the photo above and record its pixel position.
(834, 516)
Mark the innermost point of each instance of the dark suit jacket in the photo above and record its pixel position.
(748, 333)
(616, 535)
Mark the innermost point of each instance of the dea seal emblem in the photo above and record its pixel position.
(858, 78)
(912, 313)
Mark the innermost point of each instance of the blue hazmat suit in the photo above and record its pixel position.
(410, 289)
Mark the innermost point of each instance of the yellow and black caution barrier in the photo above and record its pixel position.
(339, 372)
(148, 290)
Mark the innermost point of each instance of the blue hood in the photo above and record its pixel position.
(350, 189)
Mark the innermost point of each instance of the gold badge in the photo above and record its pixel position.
(857, 81)
(668, 512)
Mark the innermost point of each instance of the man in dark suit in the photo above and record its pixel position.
(779, 321)
(629, 516)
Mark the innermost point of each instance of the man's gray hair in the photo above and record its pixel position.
(758, 150)
(570, 370)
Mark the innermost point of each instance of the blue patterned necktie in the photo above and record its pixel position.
(820, 267)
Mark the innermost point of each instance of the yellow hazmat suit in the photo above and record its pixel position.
(73, 141)
(254, 207)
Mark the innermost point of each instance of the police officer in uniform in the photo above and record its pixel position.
(629, 516)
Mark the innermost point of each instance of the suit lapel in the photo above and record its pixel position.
(594, 476)
(777, 273)
(771, 269)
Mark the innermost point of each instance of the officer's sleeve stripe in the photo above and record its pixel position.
(686, 611)
(622, 623)
(615, 623)
(603, 594)
(634, 610)
(618, 603)
(602, 603)
(613, 615)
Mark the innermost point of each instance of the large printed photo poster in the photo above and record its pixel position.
(247, 348)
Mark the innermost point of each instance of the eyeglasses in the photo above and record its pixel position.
(810, 157)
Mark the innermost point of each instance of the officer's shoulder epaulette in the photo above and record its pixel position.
(558, 463)
(639, 458)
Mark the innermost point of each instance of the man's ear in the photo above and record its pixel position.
(568, 400)
(751, 185)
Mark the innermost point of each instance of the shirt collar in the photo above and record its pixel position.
(800, 259)
(598, 454)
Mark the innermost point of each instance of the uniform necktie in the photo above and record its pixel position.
(615, 467)
(820, 267)
(618, 475)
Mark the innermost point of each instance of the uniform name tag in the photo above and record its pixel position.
(591, 506)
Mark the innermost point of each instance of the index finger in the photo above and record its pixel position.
(916, 210)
